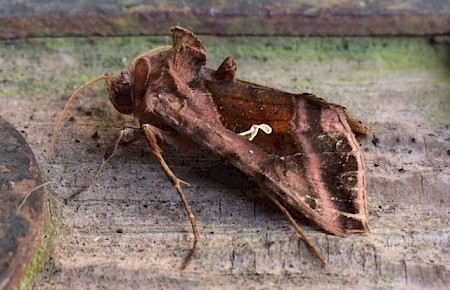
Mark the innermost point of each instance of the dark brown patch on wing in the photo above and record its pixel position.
(338, 168)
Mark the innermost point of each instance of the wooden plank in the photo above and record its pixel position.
(129, 230)
(267, 17)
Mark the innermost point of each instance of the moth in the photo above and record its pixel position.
(300, 149)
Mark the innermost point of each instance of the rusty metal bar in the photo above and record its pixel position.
(267, 17)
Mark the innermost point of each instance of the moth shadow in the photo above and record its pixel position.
(237, 181)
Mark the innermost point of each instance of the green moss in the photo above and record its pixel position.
(38, 67)
(388, 53)
(44, 245)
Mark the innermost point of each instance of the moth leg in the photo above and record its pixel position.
(149, 132)
(302, 235)
(126, 135)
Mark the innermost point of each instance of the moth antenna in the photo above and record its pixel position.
(150, 51)
(69, 103)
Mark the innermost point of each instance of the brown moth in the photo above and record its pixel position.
(307, 158)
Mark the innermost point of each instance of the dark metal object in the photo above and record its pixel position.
(267, 17)
(21, 223)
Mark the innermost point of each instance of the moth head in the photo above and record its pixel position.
(119, 90)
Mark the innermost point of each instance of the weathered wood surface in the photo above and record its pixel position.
(267, 17)
(130, 230)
